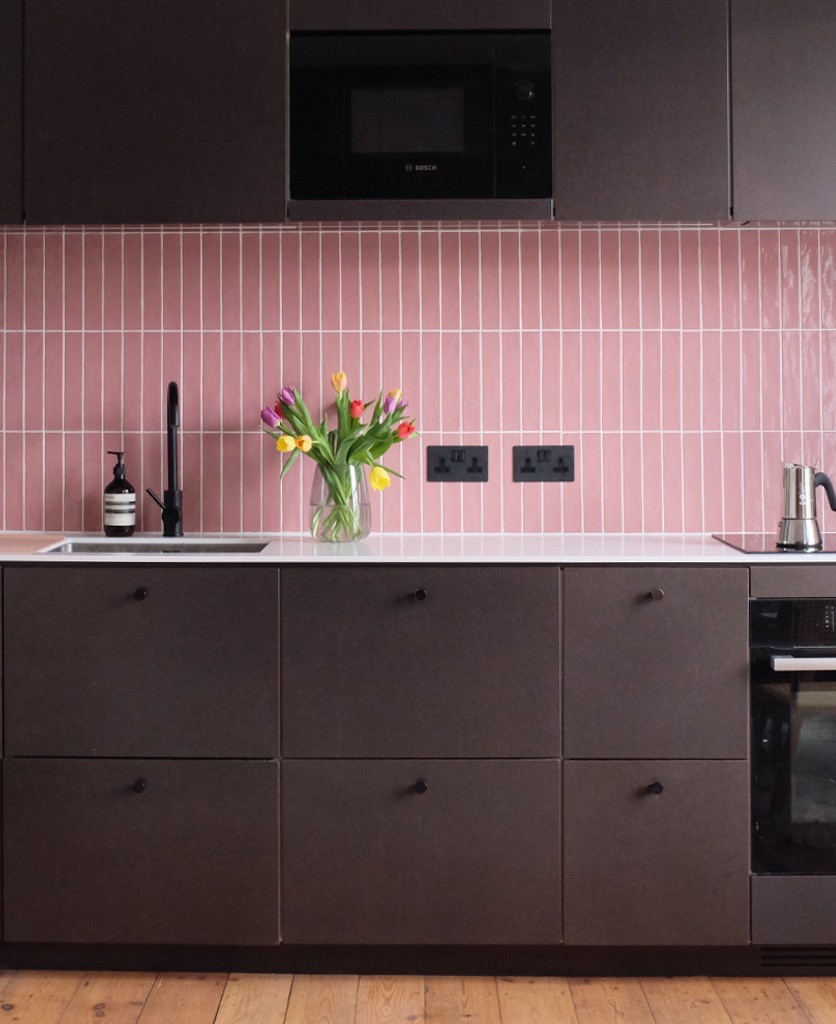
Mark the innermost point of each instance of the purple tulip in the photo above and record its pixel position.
(403, 405)
(287, 396)
(270, 418)
(389, 404)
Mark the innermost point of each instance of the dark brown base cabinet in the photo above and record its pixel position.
(437, 852)
(656, 853)
(124, 851)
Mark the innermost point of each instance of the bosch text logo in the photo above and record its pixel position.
(420, 167)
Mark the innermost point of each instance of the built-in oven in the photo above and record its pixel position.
(420, 123)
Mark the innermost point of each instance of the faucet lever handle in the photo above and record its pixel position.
(155, 496)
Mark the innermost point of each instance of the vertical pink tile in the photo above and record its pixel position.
(773, 481)
(112, 282)
(73, 380)
(828, 380)
(132, 290)
(611, 382)
(34, 277)
(752, 482)
(691, 290)
(330, 272)
(593, 483)
(633, 502)
(53, 281)
(712, 382)
(470, 293)
(730, 285)
(750, 278)
(532, 382)
(511, 498)
(372, 380)
(650, 269)
(651, 383)
(672, 482)
(531, 281)
(550, 276)
(692, 480)
(271, 507)
(790, 283)
(770, 381)
(370, 283)
(810, 277)
(631, 384)
(73, 486)
(451, 304)
(732, 382)
(232, 490)
(431, 493)
(53, 382)
(93, 481)
(172, 370)
(628, 243)
(53, 519)
(210, 283)
(113, 391)
(13, 477)
(290, 296)
(709, 276)
(571, 495)
(571, 381)
(652, 482)
(33, 396)
(791, 380)
(431, 377)
(152, 382)
(230, 280)
(471, 382)
(152, 285)
(14, 381)
(289, 372)
(93, 280)
(509, 279)
(671, 381)
(490, 280)
(333, 362)
(811, 379)
(613, 484)
(451, 383)
(570, 278)
(73, 282)
(33, 454)
(511, 360)
(792, 446)
(190, 312)
(491, 400)
(251, 280)
(752, 389)
(590, 256)
(669, 269)
(349, 257)
(551, 386)
(733, 502)
(591, 396)
(211, 377)
(692, 392)
(231, 377)
(390, 280)
(211, 490)
(770, 278)
(712, 455)
(827, 267)
(172, 275)
(610, 280)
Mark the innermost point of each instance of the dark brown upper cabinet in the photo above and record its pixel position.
(406, 15)
(641, 109)
(783, 109)
(11, 111)
(154, 112)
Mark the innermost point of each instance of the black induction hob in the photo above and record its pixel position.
(764, 544)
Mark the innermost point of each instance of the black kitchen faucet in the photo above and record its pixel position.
(172, 500)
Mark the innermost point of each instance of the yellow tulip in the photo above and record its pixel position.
(395, 393)
(379, 479)
(304, 443)
(286, 443)
(340, 381)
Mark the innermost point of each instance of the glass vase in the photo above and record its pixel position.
(340, 506)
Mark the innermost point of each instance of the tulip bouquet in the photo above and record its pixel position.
(340, 513)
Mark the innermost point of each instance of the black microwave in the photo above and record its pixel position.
(420, 124)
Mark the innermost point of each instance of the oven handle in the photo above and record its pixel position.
(789, 663)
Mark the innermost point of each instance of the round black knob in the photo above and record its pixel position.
(524, 91)
(140, 593)
(656, 788)
(421, 786)
(656, 594)
(420, 594)
(140, 785)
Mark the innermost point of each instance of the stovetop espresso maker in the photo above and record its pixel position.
(799, 528)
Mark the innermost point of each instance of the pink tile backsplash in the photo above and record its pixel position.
(685, 364)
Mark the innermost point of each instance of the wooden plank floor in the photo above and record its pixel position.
(66, 997)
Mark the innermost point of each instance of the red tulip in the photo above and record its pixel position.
(356, 409)
(405, 430)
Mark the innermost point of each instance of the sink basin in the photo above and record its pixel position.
(157, 547)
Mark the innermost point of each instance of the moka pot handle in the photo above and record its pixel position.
(823, 480)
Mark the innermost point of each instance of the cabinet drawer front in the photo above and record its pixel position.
(141, 851)
(421, 661)
(140, 661)
(656, 866)
(656, 662)
(368, 857)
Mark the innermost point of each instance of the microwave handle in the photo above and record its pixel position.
(789, 663)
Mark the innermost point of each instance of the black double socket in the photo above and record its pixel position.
(544, 463)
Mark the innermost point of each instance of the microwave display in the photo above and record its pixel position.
(405, 115)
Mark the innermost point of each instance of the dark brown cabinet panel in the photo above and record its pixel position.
(641, 110)
(154, 112)
(656, 662)
(783, 109)
(11, 111)
(656, 866)
(141, 661)
(141, 851)
(431, 15)
(794, 909)
(420, 661)
(437, 852)
(793, 580)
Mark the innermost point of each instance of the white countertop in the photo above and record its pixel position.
(586, 548)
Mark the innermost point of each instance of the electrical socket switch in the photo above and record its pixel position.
(464, 464)
(544, 463)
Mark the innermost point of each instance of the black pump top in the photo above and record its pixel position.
(119, 468)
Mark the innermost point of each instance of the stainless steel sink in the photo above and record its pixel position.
(157, 547)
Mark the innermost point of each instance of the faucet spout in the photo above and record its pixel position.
(172, 500)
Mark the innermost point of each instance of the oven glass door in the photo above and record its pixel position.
(794, 736)
(392, 116)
